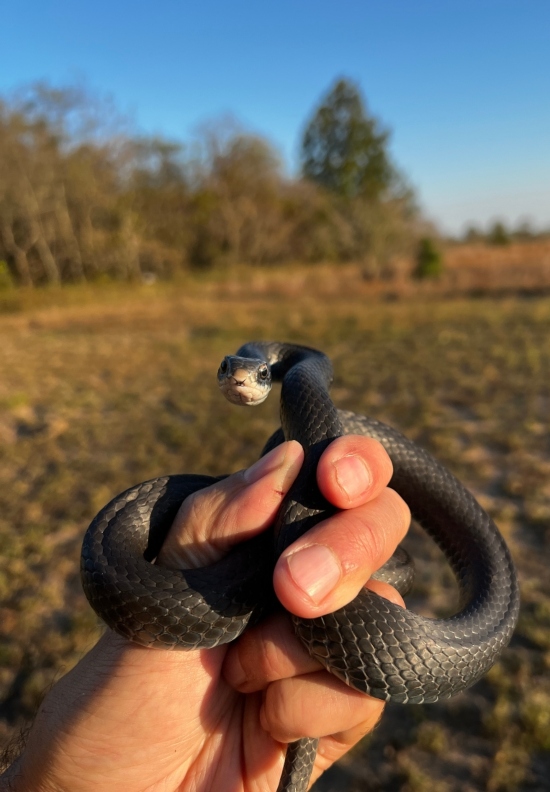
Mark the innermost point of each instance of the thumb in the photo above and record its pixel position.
(237, 508)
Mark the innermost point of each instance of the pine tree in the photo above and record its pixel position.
(344, 149)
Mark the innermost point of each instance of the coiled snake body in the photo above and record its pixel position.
(371, 644)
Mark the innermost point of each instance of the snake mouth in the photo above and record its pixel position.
(240, 384)
(242, 393)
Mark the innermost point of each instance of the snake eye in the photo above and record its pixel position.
(223, 366)
(262, 373)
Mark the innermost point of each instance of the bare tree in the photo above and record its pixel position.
(81, 198)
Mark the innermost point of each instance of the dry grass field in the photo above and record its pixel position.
(520, 267)
(102, 388)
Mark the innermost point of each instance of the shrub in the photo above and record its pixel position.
(498, 235)
(429, 261)
(6, 280)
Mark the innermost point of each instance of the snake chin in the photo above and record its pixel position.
(243, 395)
(244, 382)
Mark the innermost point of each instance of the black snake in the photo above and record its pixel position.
(371, 644)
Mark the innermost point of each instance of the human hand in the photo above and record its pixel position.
(142, 720)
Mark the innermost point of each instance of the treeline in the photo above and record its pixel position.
(83, 198)
(499, 234)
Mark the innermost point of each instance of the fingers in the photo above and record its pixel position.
(232, 510)
(267, 653)
(317, 574)
(316, 705)
(352, 470)
(270, 652)
(300, 700)
(324, 569)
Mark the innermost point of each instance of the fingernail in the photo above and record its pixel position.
(353, 476)
(266, 464)
(315, 570)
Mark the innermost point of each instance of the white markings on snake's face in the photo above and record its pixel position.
(244, 381)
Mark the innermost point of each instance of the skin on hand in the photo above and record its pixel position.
(147, 720)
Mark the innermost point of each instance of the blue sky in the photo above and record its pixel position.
(464, 85)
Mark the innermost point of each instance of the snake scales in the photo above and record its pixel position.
(370, 644)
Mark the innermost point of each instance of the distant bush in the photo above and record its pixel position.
(6, 280)
(429, 261)
(473, 234)
(498, 234)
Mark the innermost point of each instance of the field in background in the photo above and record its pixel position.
(469, 270)
(101, 387)
(520, 266)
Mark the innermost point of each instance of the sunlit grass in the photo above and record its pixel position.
(103, 387)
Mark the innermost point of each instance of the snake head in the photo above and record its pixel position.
(244, 381)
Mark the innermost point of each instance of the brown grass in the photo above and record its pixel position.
(101, 388)
(473, 270)
(521, 266)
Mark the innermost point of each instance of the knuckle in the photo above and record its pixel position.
(262, 666)
(368, 541)
(279, 713)
(212, 504)
(374, 531)
(263, 655)
(195, 515)
(196, 507)
(401, 514)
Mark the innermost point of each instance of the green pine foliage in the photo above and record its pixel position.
(429, 260)
(344, 149)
